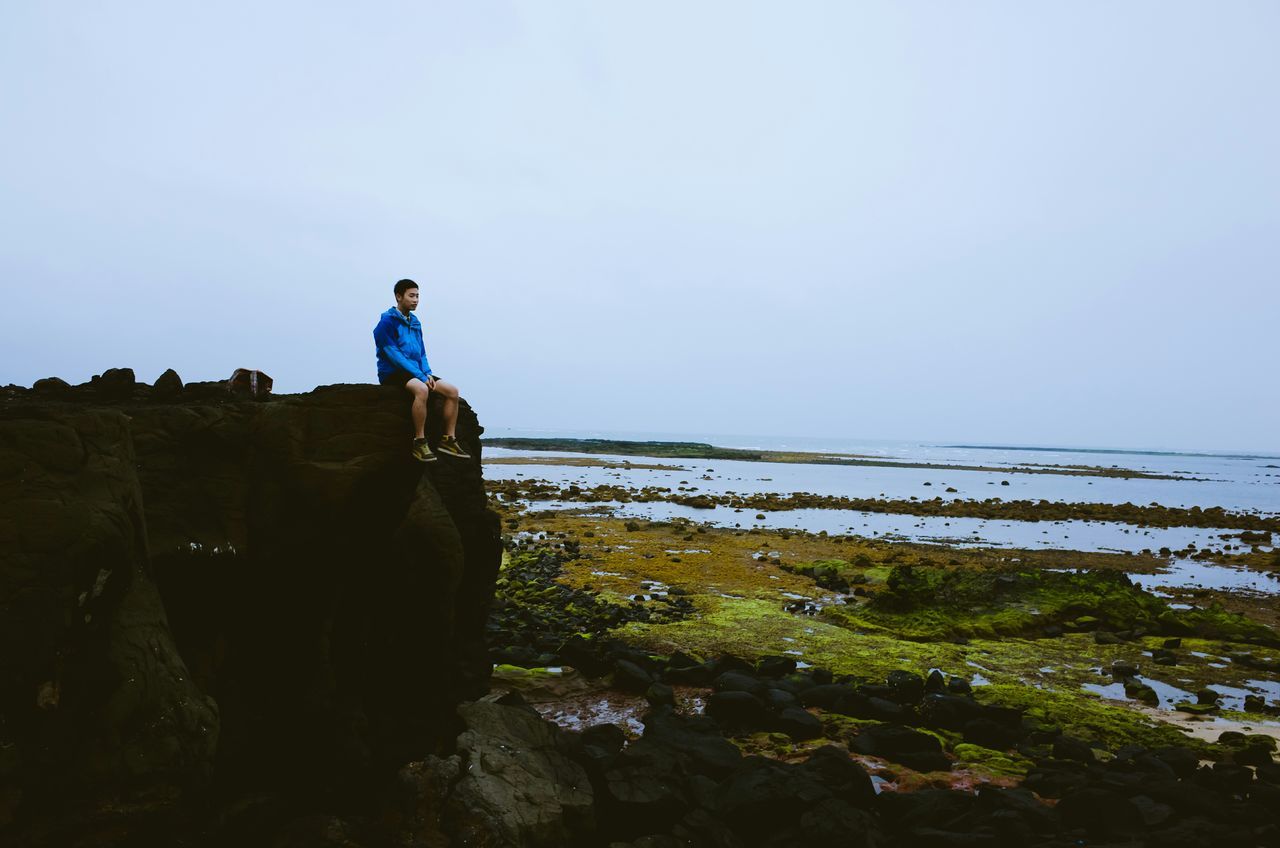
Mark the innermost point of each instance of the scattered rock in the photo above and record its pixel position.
(168, 385)
(899, 744)
(51, 386)
(737, 711)
(660, 694)
(1123, 668)
(115, 383)
(629, 677)
(799, 724)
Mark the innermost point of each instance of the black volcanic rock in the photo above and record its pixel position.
(737, 711)
(254, 596)
(905, 745)
(167, 384)
(515, 785)
(115, 383)
(50, 386)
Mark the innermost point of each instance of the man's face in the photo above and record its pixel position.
(408, 301)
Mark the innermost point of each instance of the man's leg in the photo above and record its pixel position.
(450, 394)
(420, 393)
(449, 443)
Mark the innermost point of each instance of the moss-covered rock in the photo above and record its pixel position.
(937, 602)
(987, 761)
(1217, 623)
(1090, 719)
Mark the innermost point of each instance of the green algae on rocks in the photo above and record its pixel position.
(739, 606)
(924, 603)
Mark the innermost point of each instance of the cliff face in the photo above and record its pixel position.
(203, 596)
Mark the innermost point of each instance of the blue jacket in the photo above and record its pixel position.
(398, 342)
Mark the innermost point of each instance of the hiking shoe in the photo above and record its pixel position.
(450, 445)
(422, 452)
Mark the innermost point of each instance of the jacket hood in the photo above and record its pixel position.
(394, 312)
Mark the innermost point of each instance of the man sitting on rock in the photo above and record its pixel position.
(402, 361)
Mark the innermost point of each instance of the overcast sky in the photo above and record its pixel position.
(1001, 222)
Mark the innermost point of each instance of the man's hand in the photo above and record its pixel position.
(431, 381)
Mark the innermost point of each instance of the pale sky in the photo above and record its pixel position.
(1000, 222)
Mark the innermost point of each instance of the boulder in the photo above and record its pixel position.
(629, 677)
(515, 785)
(906, 687)
(837, 823)
(737, 711)
(735, 681)
(775, 666)
(1070, 748)
(51, 386)
(763, 796)
(911, 748)
(695, 740)
(949, 712)
(799, 724)
(168, 385)
(991, 734)
(114, 383)
(779, 699)
(827, 696)
(660, 694)
(842, 775)
(1121, 669)
(1101, 812)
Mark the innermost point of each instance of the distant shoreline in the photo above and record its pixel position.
(701, 450)
(1112, 451)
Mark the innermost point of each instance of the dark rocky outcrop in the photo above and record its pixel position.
(204, 598)
(513, 782)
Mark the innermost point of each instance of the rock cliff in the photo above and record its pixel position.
(205, 596)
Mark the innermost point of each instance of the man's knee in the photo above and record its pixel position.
(448, 390)
(417, 388)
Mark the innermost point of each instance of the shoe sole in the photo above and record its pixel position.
(431, 458)
(451, 453)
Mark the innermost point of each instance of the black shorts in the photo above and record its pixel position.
(398, 378)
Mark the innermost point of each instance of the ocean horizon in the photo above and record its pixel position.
(872, 446)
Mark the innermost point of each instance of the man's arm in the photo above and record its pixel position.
(385, 338)
(426, 366)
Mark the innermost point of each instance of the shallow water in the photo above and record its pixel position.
(970, 532)
(1168, 694)
(1239, 485)
(1196, 574)
(1230, 697)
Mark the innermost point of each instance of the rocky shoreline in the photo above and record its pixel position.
(880, 636)
(758, 750)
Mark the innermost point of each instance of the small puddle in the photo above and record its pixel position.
(1110, 691)
(1199, 574)
(1168, 695)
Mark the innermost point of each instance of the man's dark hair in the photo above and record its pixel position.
(404, 285)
